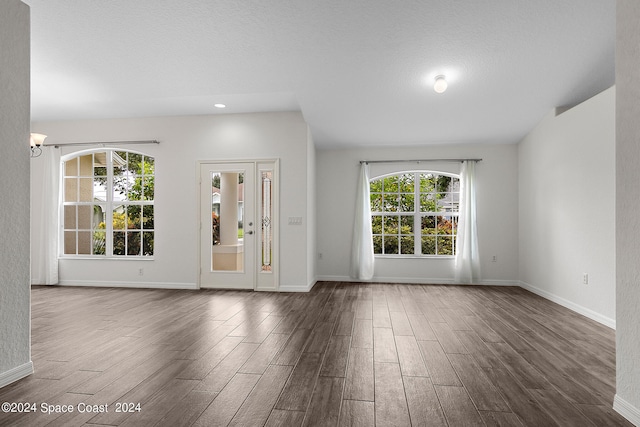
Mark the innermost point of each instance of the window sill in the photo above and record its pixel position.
(110, 258)
(415, 256)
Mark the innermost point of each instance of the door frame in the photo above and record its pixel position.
(271, 280)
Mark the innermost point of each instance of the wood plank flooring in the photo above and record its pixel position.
(342, 355)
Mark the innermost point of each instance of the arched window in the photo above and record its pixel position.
(415, 213)
(108, 204)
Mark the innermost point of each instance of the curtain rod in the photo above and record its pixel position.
(65, 144)
(420, 160)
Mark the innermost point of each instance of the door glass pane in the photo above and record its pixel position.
(227, 220)
(266, 224)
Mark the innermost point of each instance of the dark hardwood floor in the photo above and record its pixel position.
(343, 354)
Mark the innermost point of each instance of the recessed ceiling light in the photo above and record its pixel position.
(219, 105)
(440, 85)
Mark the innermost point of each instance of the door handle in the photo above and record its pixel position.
(250, 232)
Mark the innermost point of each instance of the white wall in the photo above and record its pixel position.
(183, 142)
(627, 400)
(497, 211)
(15, 350)
(567, 208)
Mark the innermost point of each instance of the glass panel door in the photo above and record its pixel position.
(227, 225)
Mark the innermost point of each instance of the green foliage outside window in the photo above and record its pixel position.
(402, 202)
(133, 223)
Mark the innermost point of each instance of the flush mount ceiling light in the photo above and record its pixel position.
(440, 85)
(219, 105)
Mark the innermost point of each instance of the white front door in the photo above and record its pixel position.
(238, 238)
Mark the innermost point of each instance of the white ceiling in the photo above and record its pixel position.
(361, 71)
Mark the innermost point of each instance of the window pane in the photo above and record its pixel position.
(377, 244)
(119, 242)
(149, 165)
(427, 183)
(100, 188)
(407, 245)
(446, 203)
(390, 203)
(70, 242)
(99, 215)
(100, 164)
(134, 217)
(99, 243)
(429, 245)
(428, 225)
(427, 203)
(121, 186)
(119, 217)
(406, 184)
(70, 219)
(445, 245)
(71, 189)
(86, 189)
(375, 186)
(445, 226)
(376, 224)
(376, 202)
(148, 188)
(391, 184)
(147, 243)
(84, 243)
(443, 183)
(406, 202)
(133, 243)
(147, 217)
(390, 245)
(390, 225)
(119, 162)
(86, 165)
(454, 222)
(134, 163)
(85, 214)
(406, 225)
(71, 167)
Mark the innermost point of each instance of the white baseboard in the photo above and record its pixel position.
(377, 279)
(295, 288)
(108, 284)
(492, 282)
(15, 374)
(570, 305)
(627, 410)
(298, 288)
(415, 280)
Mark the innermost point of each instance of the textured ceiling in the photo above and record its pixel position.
(361, 71)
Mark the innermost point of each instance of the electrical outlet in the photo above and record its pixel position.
(585, 278)
(494, 258)
(141, 272)
(320, 255)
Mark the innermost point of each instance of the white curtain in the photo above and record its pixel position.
(46, 270)
(362, 260)
(467, 265)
